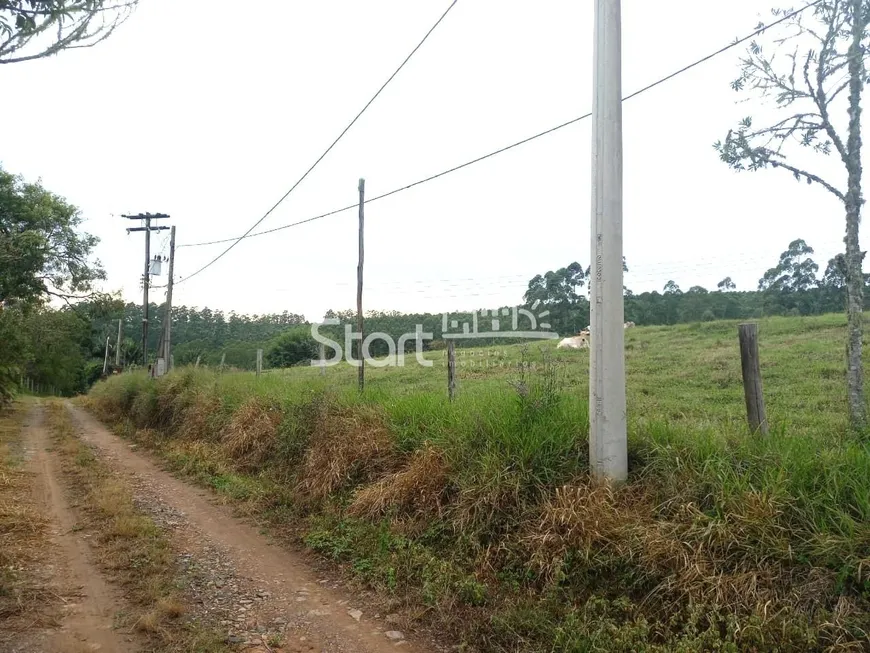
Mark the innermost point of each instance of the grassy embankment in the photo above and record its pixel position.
(480, 514)
(130, 547)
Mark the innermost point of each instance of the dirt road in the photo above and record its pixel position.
(285, 601)
(89, 602)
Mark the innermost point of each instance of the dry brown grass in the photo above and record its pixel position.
(690, 558)
(419, 489)
(197, 420)
(740, 562)
(346, 444)
(148, 438)
(192, 456)
(251, 436)
(587, 519)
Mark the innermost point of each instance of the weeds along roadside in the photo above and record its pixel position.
(132, 549)
(480, 516)
(27, 600)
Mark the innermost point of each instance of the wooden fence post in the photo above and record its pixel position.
(752, 389)
(451, 369)
(259, 362)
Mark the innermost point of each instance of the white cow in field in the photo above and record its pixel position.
(575, 342)
(628, 325)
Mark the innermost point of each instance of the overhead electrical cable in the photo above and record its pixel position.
(327, 150)
(733, 44)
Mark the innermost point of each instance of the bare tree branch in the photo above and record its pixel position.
(797, 172)
(76, 24)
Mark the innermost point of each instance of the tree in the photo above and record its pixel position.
(671, 288)
(291, 348)
(815, 77)
(796, 271)
(557, 287)
(30, 29)
(561, 291)
(726, 284)
(41, 251)
(42, 255)
(835, 273)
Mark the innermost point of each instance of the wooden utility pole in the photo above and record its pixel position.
(451, 369)
(359, 287)
(118, 346)
(146, 278)
(167, 321)
(608, 446)
(752, 390)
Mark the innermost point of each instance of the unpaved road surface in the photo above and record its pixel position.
(266, 597)
(89, 602)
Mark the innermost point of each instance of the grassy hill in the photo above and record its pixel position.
(479, 516)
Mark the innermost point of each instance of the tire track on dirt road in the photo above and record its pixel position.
(317, 618)
(87, 624)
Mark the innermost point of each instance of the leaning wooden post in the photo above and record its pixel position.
(223, 360)
(451, 369)
(259, 362)
(359, 287)
(752, 390)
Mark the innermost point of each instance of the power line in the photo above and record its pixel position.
(328, 149)
(508, 147)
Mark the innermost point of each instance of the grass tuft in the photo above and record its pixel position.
(251, 437)
(347, 445)
(419, 489)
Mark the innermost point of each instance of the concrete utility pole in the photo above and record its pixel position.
(359, 286)
(146, 278)
(167, 322)
(118, 348)
(608, 448)
(106, 359)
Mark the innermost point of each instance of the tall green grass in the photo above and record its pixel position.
(719, 541)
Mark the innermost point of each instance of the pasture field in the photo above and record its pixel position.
(478, 517)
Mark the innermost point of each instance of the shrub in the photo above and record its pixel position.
(292, 347)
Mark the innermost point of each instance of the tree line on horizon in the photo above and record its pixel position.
(66, 347)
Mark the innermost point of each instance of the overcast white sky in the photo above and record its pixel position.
(208, 113)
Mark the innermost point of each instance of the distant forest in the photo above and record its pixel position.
(792, 287)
